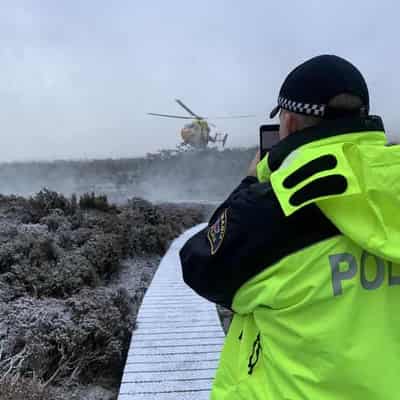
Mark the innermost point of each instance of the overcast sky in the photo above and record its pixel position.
(78, 77)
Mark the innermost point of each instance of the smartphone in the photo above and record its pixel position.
(269, 136)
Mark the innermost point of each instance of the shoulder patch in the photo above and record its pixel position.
(216, 232)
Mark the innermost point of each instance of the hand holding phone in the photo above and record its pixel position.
(252, 171)
(269, 136)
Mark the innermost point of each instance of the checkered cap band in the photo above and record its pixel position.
(317, 110)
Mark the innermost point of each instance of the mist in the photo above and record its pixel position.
(79, 77)
(206, 176)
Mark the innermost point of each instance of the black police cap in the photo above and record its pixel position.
(310, 86)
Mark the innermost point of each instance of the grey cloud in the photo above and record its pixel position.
(78, 77)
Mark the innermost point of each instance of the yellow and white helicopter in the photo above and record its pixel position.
(197, 132)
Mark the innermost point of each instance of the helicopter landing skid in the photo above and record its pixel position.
(224, 140)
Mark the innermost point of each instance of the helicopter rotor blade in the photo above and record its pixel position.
(187, 109)
(169, 116)
(236, 116)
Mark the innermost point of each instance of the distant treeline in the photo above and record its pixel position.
(168, 175)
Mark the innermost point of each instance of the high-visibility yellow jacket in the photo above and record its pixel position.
(320, 318)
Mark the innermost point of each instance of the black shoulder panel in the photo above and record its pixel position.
(322, 163)
(324, 186)
(247, 234)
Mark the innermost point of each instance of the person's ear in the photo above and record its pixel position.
(292, 123)
(287, 124)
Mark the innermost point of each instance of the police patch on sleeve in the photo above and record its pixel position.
(216, 232)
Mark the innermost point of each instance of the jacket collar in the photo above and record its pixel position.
(323, 130)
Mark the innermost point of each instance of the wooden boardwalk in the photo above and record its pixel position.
(175, 350)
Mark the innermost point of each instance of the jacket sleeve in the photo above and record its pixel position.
(247, 234)
(235, 245)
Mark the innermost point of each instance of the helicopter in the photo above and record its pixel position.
(197, 133)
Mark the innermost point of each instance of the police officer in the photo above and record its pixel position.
(307, 252)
